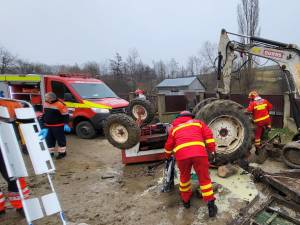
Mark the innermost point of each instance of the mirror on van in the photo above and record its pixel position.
(68, 97)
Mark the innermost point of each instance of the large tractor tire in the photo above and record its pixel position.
(141, 107)
(202, 103)
(291, 154)
(122, 131)
(232, 128)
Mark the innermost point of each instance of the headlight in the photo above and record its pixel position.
(99, 110)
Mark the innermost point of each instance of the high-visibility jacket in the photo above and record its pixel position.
(260, 109)
(55, 114)
(189, 138)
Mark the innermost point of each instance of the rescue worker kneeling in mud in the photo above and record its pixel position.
(189, 139)
(54, 122)
(259, 108)
(13, 192)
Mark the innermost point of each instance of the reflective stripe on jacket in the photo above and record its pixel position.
(189, 138)
(260, 109)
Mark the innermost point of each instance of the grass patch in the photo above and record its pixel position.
(285, 133)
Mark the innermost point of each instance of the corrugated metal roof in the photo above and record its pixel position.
(184, 81)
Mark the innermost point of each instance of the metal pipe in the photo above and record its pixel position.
(239, 35)
(271, 42)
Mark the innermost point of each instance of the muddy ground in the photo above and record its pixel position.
(131, 194)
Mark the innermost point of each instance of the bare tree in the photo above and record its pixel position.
(193, 65)
(92, 68)
(160, 69)
(117, 66)
(208, 54)
(132, 61)
(248, 23)
(173, 68)
(69, 69)
(6, 60)
(24, 67)
(248, 18)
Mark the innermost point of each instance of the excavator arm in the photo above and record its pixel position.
(287, 56)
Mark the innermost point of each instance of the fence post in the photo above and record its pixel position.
(161, 105)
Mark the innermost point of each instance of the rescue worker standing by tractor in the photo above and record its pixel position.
(55, 122)
(189, 139)
(259, 108)
(13, 192)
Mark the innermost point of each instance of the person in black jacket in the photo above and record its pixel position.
(55, 118)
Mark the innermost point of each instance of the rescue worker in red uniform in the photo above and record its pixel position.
(189, 140)
(140, 94)
(13, 192)
(55, 119)
(259, 108)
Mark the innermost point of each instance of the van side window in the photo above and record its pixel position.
(60, 89)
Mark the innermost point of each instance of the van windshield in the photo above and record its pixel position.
(93, 90)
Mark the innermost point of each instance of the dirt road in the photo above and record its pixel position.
(131, 194)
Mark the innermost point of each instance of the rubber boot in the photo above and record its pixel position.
(61, 155)
(212, 209)
(186, 205)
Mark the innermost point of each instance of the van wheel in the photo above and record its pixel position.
(122, 131)
(85, 130)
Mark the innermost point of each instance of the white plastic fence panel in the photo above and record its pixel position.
(37, 149)
(11, 151)
(25, 113)
(51, 204)
(34, 209)
(4, 112)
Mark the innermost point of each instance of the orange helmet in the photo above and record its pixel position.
(253, 94)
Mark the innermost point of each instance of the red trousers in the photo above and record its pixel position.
(200, 165)
(14, 196)
(13, 192)
(259, 131)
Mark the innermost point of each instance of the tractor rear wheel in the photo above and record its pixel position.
(232, 129)
(122, 131)
(202, 103)
(143, 108)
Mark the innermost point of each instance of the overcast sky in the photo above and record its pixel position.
(76, 31)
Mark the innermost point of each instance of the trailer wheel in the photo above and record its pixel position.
(202, 103)
(85, 130)
(291, 155)
(232, 129)
(143, 108)
(122, 131)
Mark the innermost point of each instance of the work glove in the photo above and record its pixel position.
(67, 128)
(43, 133)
